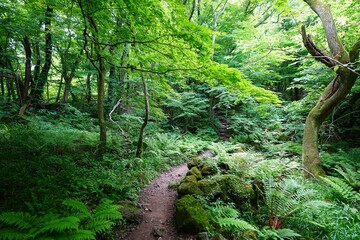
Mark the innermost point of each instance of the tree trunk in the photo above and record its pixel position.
(38, 90)
(100, 67)
(334, 93)
(100, 102)
(88, 88)
(139, 148)
(25, 86)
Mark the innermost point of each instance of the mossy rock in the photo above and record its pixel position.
(191, 217)
(209, 187)
(249, 235)
(189, 187)
(190, 178)
(208, 169)
(195, 172)
(130, 212)
(234, 189)
(218, 236)
(196, 162)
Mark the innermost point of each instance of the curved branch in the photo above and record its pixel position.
(355, 52)
(315, 51)
(324, 13)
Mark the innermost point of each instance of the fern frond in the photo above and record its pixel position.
(13, 234)
(60, 225)
(349, 175)
(99, 226)
(106, 211)
(78, 206)
(82, 234)
(234, 224)
(224, 211)
(21, 220)
(286, 233)
(344, 189)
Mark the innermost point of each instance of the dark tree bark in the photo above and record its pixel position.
(139, 148)
(99, 64)
(25, 86)
(88, 88)
(334, 93)
(39, 83)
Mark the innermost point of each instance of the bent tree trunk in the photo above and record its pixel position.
(338, 88)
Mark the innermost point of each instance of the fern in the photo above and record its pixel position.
(11, 233)
(81, 224)
(99, 226)
(288, 197)
(349, 175)
(78, 207)
(60, 225)
(340, 186)
(234, 224)
(287, 233)
(81, 234)
(20, 220)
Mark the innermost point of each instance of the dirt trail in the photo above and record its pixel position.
(158, 205)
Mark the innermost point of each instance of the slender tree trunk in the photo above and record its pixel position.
(100, 102)
(139, 148)
(100, 67)
(88, 88)
(25, 86)
(2, 86)
(38, 91)
(59, 89)
(216, 19)
(335, 92)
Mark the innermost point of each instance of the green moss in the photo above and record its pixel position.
(208, 169)
(234, 189)
(196, 162)
(190, 178)
(191, 217)
(189, 188)
(209, 187)
(130, 212)
(195, 172)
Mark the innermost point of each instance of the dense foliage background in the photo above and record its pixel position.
(98, 97)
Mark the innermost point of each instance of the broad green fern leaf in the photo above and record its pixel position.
(78, 206)
(20, 220)
(13, 234)
(60, 225)
(99, 226)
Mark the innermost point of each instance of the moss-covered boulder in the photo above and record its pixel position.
(196, 162)
(218, 236)
(130, 212)
(191, 217)
(189, 188)
(209, 187)
(195, 172)
(234, 189)
(190, 178)
(209, 169)
(249, 235)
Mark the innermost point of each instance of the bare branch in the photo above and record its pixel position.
(315, 51)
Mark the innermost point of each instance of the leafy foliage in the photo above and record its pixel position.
(80, 223)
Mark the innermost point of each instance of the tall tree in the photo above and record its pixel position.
(40, 81)
(344, 64)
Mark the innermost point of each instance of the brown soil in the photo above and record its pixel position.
(158, 205)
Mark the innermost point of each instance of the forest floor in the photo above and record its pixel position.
(158, 206)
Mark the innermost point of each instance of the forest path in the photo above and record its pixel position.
(158, 205)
